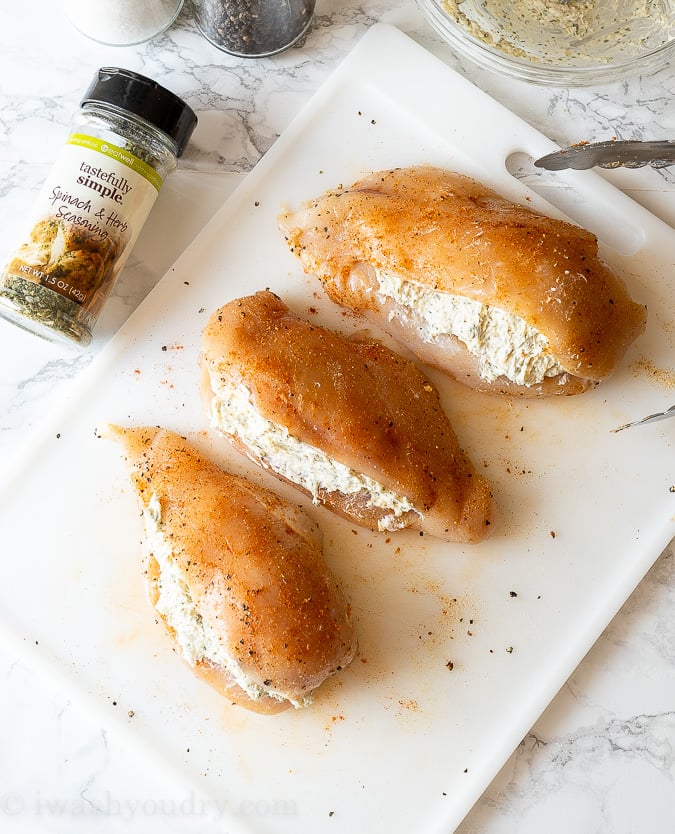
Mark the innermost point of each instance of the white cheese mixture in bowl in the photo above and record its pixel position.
(562, 42)
(233, 412)
(504, 344)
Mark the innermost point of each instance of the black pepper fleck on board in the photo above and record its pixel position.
(513, 594)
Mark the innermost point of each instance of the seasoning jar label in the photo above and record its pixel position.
(88, 215)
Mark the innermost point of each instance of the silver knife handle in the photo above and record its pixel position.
(612, 154)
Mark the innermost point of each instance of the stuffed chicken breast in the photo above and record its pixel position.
(237, 576)
(498, 296)
(351, 423)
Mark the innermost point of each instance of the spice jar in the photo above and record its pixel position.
(125, 140)
(253, 28)
(122, 22)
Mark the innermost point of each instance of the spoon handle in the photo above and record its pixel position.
(612, 154)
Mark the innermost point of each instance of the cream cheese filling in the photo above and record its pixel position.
(503, 343)
(195, 636)
(233, 412)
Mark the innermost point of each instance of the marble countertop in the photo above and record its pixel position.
(601, 759)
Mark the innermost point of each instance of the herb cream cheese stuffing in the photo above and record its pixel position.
(567, 32)
(196, 638)
(233, 412)
(504, 344)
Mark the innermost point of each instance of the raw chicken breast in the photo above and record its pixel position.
(237, 576)
(497, 295)
(351, 423)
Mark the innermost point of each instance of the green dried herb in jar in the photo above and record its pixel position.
(125, 141)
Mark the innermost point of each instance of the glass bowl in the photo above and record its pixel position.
(564, 42)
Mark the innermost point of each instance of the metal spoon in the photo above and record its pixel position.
(653, 418)
(612, 154)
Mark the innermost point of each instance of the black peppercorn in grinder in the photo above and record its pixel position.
(253, 28)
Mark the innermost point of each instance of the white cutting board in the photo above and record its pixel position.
(400, 741)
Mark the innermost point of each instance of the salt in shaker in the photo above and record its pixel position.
(122, 22)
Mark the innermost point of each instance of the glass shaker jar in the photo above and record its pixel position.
(125, 140)
(122, 22)
(253, 28)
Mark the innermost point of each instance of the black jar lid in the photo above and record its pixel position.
(144, 98)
